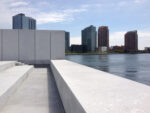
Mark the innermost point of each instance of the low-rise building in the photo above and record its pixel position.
(147, 49)
(78, 48)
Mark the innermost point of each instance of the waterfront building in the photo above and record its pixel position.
(89, 38)
(131, 41)
(20, 21)
(103, 37)
(78, 48)
(147, 49)
(67, 41)
(117, 48)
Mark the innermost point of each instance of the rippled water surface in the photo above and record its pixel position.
(132, 66)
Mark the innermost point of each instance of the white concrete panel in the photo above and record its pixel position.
(27, 46)
(57, 44)
(0, 45)
(42, 47)
(10, 45)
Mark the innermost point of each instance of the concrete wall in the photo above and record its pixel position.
(57, 49)
(10, 45)
(32, 46)
(0, 45)
(42, 44)
(87, 90)
(27, 46)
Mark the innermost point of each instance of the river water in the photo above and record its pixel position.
(131, 66)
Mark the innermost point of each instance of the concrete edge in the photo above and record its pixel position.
(66, 94)
(76, 102)
(7, 65)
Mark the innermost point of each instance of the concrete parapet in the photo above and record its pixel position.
(87, 90)
(10, 45)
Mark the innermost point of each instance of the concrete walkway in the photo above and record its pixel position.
(37, 94)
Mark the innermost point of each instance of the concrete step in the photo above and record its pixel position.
(37, 94)
(10, 79)
(6, 64)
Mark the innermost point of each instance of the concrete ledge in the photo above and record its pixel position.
(10, 80)
(87, 90)
(6, 64)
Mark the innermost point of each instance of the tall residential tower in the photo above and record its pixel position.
(89, 38)
(20, 21)
(131, 41)
(103, 37)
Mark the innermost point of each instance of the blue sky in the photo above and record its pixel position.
(74, 15)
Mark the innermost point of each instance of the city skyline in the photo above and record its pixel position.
(73, 16)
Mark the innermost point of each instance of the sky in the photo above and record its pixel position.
(74, 15)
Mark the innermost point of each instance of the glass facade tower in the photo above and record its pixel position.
(67, 41)
(89, 38)
(20, 21)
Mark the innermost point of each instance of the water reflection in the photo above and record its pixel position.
(131, 66)
(104, 61)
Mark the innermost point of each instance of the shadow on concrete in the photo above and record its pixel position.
(55, 103)
(41, 65)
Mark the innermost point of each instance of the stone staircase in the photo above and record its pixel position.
(28, 89)
(12, 74)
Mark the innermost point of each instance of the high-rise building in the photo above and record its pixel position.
(89, 38)
(67, 41)
(103, 37)
(20, 21)
(131, 41)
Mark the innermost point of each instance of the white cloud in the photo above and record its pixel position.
(60, 16)
(122, 3)
(43, 18)
(16, 4)
(117, 38)
(75, 10)
(75, 40)
(139, 1)
(8, 8)
(144, 39)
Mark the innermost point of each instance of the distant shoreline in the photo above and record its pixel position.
(101, 53)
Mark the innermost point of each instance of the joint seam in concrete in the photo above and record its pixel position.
(2, 45)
